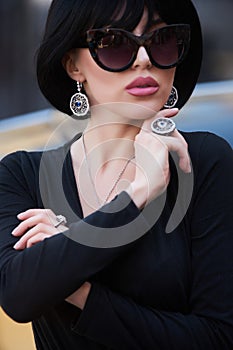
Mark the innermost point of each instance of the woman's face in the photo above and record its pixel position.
(103, 87)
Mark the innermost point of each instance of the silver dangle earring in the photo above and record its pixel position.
(173, 98)
(79, 104)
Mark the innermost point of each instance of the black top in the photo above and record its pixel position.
(161, 291)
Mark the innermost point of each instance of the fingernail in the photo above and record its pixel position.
(13, 232)
(174, 110)
(16, 246)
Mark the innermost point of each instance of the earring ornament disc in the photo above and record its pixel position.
(79, 104)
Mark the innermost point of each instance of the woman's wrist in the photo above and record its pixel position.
(79, 297)
(137, 194)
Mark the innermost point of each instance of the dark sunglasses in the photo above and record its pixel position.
(115, 50)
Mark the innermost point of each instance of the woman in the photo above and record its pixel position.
(85, 250)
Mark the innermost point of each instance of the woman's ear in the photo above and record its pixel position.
(69, 62)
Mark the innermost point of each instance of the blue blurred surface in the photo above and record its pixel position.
(210, 109)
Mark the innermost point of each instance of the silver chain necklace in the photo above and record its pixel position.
(92, 181)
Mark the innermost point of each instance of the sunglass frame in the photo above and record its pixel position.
(181, 30)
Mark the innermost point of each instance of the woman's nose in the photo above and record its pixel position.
(142, 60)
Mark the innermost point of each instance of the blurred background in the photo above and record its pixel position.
(27, 120)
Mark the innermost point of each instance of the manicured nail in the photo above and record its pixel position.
(13, 232)
(16, 246)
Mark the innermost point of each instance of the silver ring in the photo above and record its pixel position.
(60, 220)
(163, 126)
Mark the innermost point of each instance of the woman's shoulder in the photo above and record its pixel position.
(212, 160)
(197, 138)
(31, 160)
(21, 158)
(207, 146)
(51, 156)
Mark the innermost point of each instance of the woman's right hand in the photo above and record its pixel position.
(152, 160)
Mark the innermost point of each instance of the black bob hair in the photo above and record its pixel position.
(68, 21)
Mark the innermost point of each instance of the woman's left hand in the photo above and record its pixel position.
(36, 225)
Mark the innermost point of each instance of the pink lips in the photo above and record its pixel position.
(143, 87)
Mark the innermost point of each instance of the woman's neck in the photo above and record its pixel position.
(110, 141)
(111, 131)
(111, 134)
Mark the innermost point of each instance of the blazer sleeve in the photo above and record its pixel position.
(35, 279)
(118, 322)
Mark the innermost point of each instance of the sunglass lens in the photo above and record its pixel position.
(114, 51)
(167, 48)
